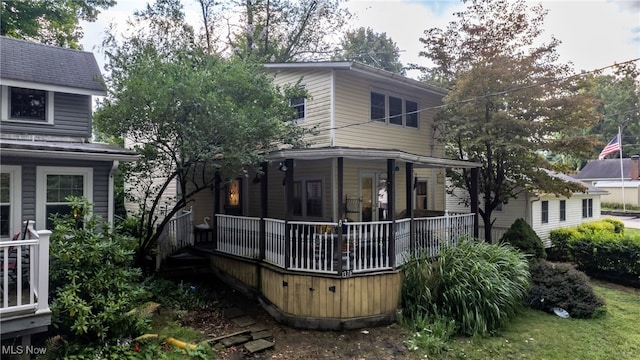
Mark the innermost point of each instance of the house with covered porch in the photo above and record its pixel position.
(319, 235)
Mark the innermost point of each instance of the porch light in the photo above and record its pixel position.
(282, 167)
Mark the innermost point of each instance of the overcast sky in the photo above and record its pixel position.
(594, 33)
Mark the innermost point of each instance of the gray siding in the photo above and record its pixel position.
(72, 118)
(29, 165)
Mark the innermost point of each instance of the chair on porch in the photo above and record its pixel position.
(12, 261)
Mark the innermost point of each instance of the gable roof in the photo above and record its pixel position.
(363, 69)
(25, 63)
(589, 189)
(606, 169)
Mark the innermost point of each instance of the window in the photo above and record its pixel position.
(421, 195)
(395, 110)
(378, 108)
(587, 208)
(21, 104)
(398, 110)
(10, 201)
(563, 210)
(307, 198)
(545, 212)
(54, 185)
(298, 105)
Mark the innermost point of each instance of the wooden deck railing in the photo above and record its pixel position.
(328, 247)
(24, 273)
(176, 235)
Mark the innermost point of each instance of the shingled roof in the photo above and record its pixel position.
(606, 169)
(37, 63)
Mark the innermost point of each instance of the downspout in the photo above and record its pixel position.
(528, 211)
(332, 111)
(111, 197)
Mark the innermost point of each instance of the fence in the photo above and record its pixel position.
(177, 234)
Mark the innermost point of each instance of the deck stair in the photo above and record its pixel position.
(184, 262)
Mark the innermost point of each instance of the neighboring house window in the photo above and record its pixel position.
(398, 110)
(30, 105)
(545, 212)
(563, 210)
(421, 195)
(10, 201)
(587, 208)
(307, 198)
(54, 184)
(298, 104)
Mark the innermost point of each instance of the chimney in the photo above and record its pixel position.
(635, 168)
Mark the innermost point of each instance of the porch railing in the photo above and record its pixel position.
(176, 235)
(328, 247)
(24, 273)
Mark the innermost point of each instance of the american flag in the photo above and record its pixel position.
(612, 147)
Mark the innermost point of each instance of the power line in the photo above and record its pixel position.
(479, 97)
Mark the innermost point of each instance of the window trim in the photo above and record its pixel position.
(298, 120)
(415, 193)
(387, 108)
(15, 195)
(41, 187)
(587, 208)
(563, 210)
(5, 106)
(303, 197)
(544, 212)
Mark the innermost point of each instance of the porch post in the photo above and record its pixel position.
(410, 213)
(264, 209)
(338, 246)
(288, 205)
(391, 209)
(474, 201)
(216, 207)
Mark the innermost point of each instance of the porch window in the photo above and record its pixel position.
(5, 205)
(10, 200)
(587, 208)
(545, 212)
(563, 210)
(421, 195)
(54, 184)
(23, 104)
(297, 198)
(314, 198)
(378, 107)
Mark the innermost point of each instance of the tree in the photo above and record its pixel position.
(371, 48)
(192, 116)
(288, 30)
(49, 22)
(510, 101)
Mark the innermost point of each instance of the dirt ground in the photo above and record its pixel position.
(385, 342)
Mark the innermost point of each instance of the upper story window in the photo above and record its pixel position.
(298, 104)
(394, 110)
(29, 105)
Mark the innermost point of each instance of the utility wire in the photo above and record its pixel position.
(479, 97)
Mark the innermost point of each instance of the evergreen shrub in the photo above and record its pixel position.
(521, 236)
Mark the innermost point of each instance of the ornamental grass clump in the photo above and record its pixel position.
(478, 285)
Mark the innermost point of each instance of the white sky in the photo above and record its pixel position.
(594, 33)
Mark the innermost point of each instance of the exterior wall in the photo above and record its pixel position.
(72, 118)
(100, 194)
(574, 214)
(352, 117)
(631, 195)
(317, 106)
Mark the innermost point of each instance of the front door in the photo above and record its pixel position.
(373, 192)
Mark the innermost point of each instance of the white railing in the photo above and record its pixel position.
(275, 241)
(24, 273)
(313, 246)
(176, 235)
(366, 246)
(496, 233)
(403, 241)
(238, 235)
(432, 233)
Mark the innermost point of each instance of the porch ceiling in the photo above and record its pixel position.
(418, 161)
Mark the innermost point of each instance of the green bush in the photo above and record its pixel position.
(596, 227)
(560, 243)
(177, 295)
(478, 285)
(607, 255)
(562, 286)
(93, 283)
(618, 225)
(521, 236)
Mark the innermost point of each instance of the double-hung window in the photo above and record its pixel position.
(10, 201)
(298, 104)
(307, 198)
(54, 185)
(393, 109)
(545, 212)
(421, 195)
(26, 105)
(563, 210)
(587, 208)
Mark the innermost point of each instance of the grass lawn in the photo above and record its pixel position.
(537, 335)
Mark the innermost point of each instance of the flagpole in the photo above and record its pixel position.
(624, 205)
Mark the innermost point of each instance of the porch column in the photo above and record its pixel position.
(474, 201)
(264, 209)
(391, 209)
(288, 208)
(409, 193)
(216, 207)
(340, 189)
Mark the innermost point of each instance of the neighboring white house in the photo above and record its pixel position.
(543, 212)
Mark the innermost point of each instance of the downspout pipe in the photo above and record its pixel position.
(111, 190)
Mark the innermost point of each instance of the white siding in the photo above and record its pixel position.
(574, 214)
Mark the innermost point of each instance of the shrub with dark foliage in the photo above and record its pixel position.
(562, 286)
(521, 236)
